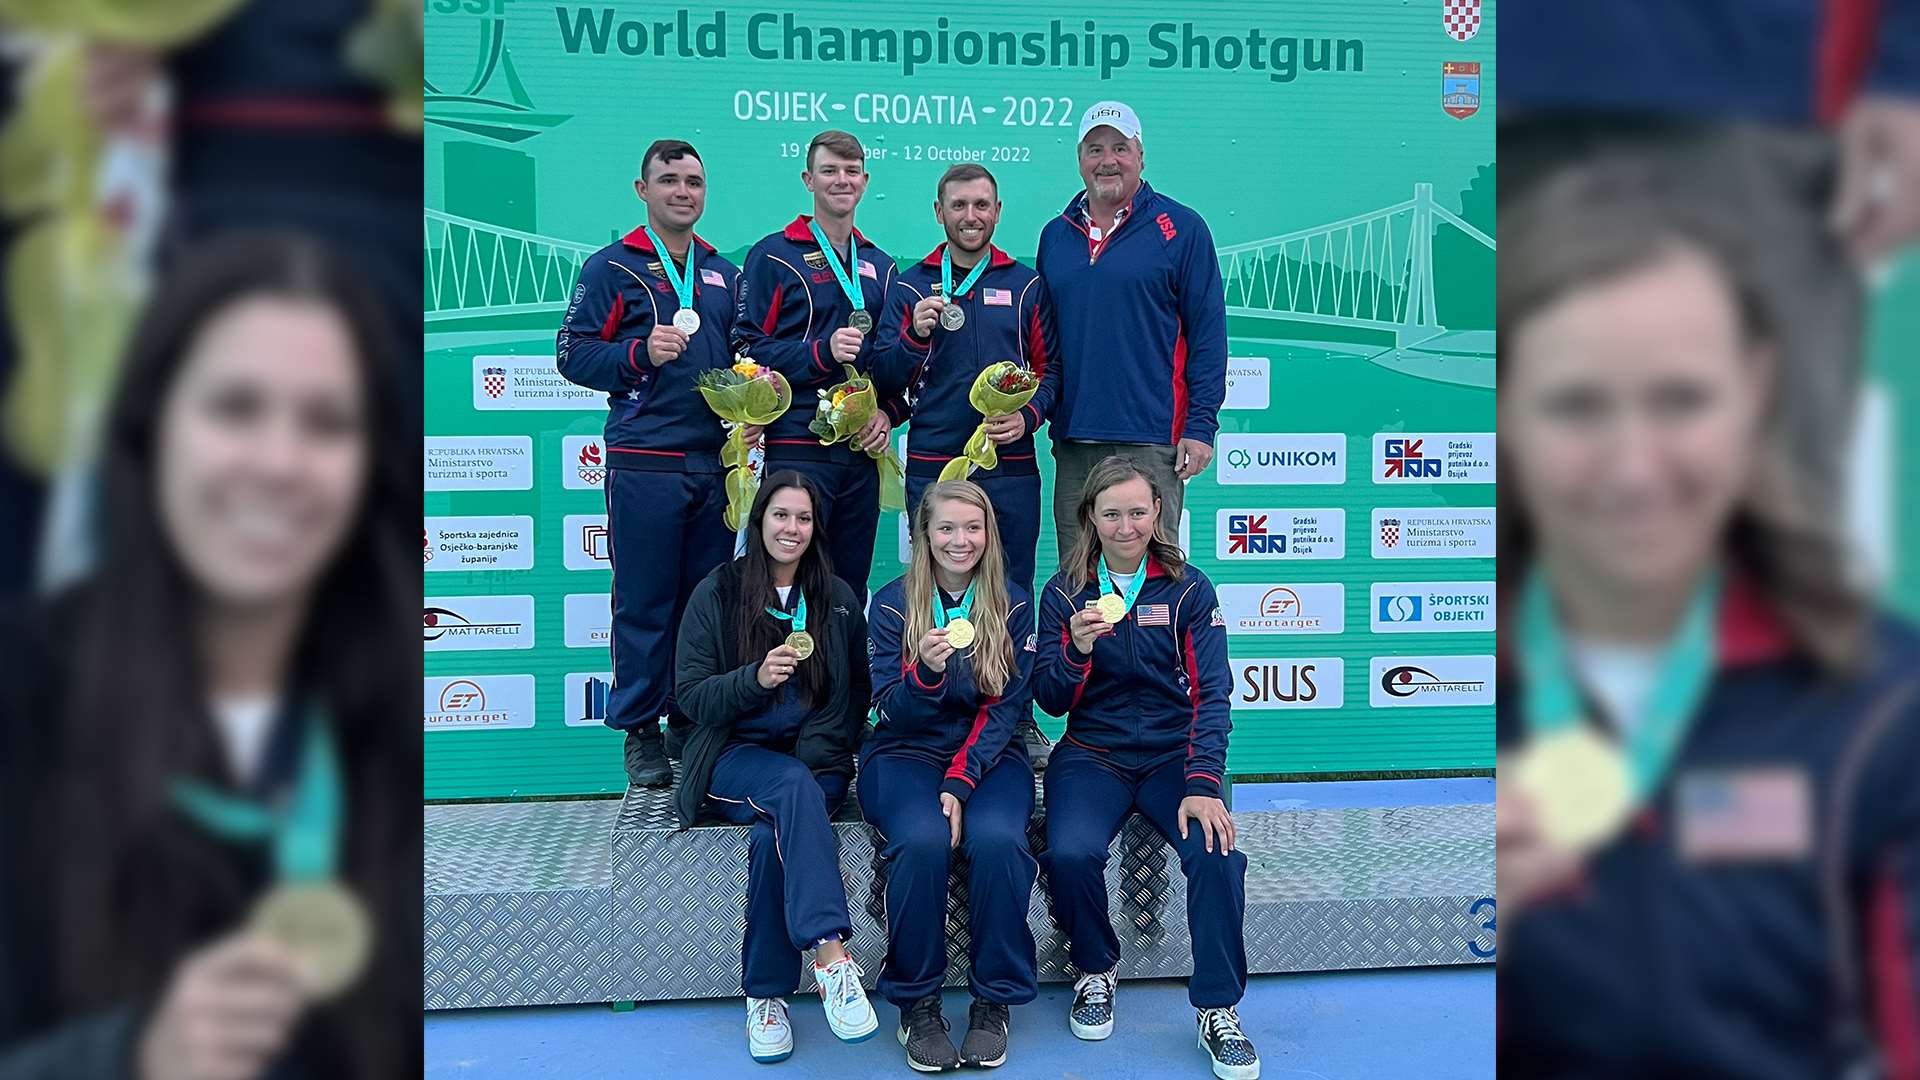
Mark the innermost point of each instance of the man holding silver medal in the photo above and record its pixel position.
(988, 308)
(808, 295)
(649, 313)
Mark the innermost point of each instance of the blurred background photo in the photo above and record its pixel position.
(208, 403)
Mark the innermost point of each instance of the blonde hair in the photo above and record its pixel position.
(1084, 555)
(992, 646)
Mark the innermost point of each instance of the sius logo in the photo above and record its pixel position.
(1312, 682)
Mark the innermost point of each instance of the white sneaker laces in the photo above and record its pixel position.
(1224, 1024)
(766, 1011)
(842, 982)
(1099, 989)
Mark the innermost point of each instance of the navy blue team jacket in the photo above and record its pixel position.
(1671, 958)
(790, 304)
(1143, 324)
(943, 717)
(1156, 687)
(655, 418)
(1008, 318)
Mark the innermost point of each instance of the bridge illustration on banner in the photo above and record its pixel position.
(1363, 285)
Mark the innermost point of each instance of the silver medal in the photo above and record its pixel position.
(861, 321)
(687, 321)
(952, 318)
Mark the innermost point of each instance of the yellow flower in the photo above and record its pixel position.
(747, 369)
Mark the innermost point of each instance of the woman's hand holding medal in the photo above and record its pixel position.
(935, 648)
(845, 344)
(778, 666)
(227, 1013)
(1087, 625)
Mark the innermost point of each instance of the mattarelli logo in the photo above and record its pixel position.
(456, 623)
(1291, 682)
(1301, 608)
(1429, 681)
(479, 701)
(1432, 607)
(1282, 459)
(1319, 533)
(1446, 458)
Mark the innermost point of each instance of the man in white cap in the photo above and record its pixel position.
(1142, 324)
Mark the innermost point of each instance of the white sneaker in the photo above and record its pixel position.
(848, 1012)
(1092, 1014)
(769, 1035)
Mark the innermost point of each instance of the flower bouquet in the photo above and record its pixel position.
(842, 411)
(743, 394)
(997, 391)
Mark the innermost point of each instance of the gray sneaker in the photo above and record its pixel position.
(923, 1031)
(986, 1043)
(646, 764)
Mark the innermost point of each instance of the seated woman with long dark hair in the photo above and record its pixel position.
(764, 669)
(208, 753)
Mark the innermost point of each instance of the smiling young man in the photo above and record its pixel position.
(1136, 290)
(965, 307)
(810, 299)
(649, 313)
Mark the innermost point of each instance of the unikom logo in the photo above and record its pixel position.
(1247, 535)
(1167, 231)
(1404, 459)
(463, 696)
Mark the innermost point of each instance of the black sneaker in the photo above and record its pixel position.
(986, 1043)
(1231, 1050)
(1092, 1015)
(646, 765)
(1039, 749)
(923, 1031)
(677, 738)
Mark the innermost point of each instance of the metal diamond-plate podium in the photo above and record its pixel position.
(562, 902)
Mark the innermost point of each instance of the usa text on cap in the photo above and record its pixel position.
(1114, 114)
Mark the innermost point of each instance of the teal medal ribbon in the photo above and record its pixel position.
(682, 285)
(799, 615)
(304, 831)
(965, 610)
(1686, 670)
(840, 274)
(955, 292)
(1133, 590)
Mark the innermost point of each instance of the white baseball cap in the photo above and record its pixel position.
(1114, 114)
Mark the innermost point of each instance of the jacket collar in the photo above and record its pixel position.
(639, 241)
(1749, 630)
(1079, 202)
(800, 231)
(995, 257)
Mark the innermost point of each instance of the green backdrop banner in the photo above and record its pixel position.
(1342, 154)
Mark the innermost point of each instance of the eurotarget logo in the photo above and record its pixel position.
(1429, 681)
(587, 619)
(1302, 608)
(479, 702)
(1319, 458)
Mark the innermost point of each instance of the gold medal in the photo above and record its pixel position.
(324, 926)
(960, 632)
(801, 642)
(1112, 608)
(1579, 782)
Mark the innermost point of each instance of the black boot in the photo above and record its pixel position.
(646, 765)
